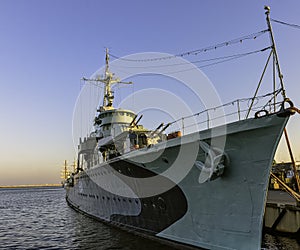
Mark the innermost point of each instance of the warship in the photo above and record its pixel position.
(219, 200)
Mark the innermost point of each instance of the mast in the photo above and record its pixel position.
(297, 178)
(74, 166)
(108, 80)
(65, 171)
(280, 75)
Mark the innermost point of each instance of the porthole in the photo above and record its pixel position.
(161, 204)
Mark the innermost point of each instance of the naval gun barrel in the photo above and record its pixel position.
(158, 128)
(165, 127)
(132, 122)
(136, 123)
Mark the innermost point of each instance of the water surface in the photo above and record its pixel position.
(39, 218)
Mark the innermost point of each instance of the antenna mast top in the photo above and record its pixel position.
(108, 81)
(267, 8)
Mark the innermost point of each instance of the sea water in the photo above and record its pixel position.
(39, 218)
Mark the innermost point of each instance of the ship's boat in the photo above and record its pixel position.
(214, 197)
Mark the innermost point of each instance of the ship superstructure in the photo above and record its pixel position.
(117, 131)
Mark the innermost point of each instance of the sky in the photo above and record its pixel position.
(47, 46)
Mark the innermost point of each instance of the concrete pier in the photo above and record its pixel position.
(282, 213)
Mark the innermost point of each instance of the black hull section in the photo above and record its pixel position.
(136, 231)
(151, 215)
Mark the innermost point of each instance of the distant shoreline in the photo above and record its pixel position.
(31, 186)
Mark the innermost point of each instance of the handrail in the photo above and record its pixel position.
(208, 118)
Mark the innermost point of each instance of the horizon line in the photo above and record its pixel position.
(31, 185)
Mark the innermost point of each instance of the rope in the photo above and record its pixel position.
(222, 61)
(223, 58)
(287, 24)
(197, 51)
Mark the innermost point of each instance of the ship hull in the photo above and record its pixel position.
(225, 212)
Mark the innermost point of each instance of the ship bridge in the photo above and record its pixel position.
(113, 122)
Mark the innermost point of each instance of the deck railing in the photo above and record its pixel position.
(236, 110)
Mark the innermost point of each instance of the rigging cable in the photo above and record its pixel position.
(196, 52)
(287, 24)
(223, 58)
(222, 61)
(226, 59)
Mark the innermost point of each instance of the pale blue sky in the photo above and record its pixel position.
(47, 46)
